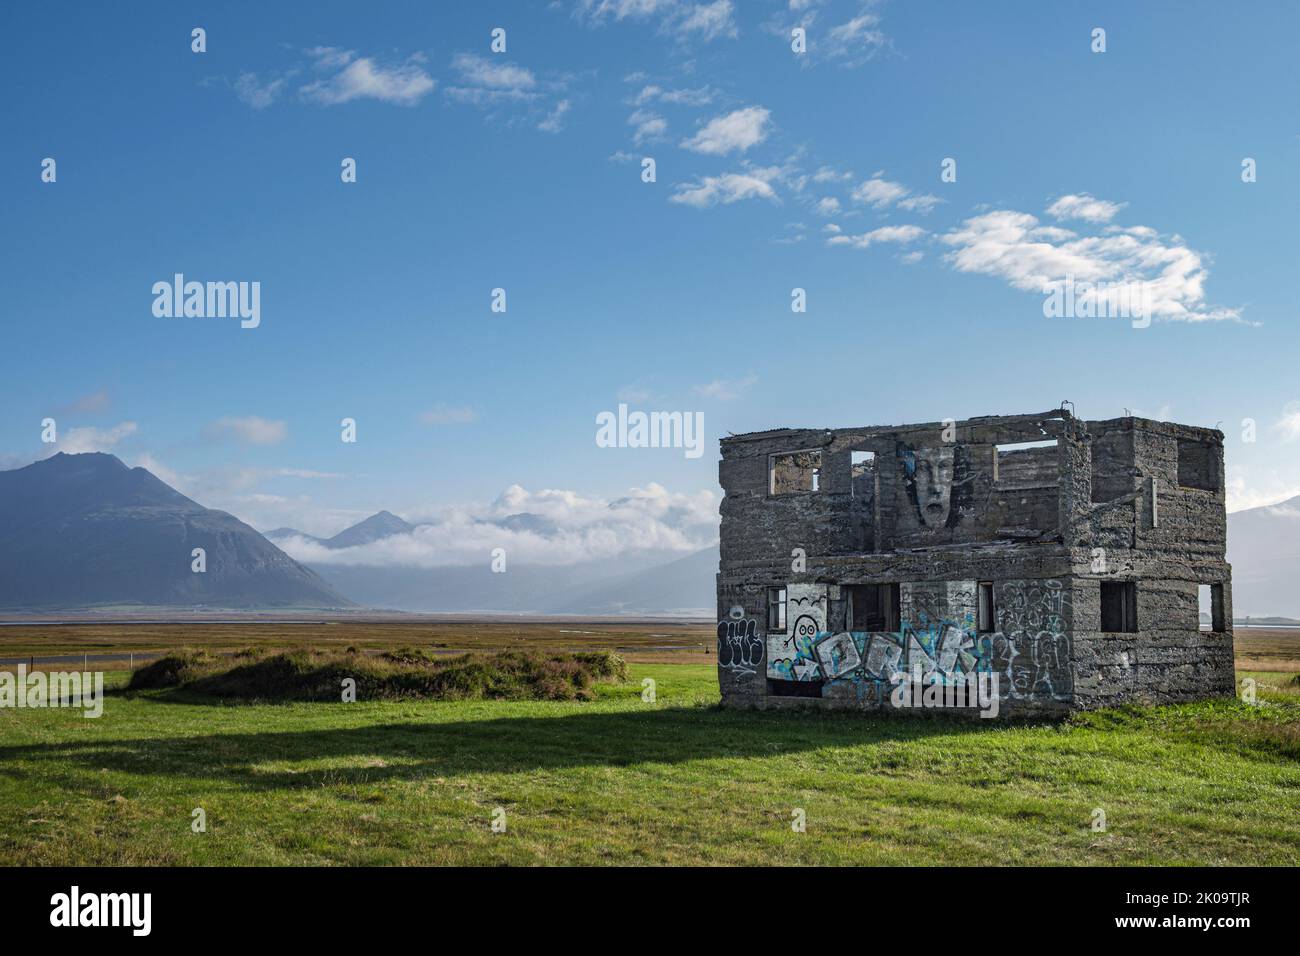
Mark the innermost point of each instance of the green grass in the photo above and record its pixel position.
(616, 780)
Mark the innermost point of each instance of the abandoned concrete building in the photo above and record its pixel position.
(1068, 559)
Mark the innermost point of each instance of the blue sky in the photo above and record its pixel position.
(522, 170)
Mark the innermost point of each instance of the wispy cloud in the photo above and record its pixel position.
(895, 234)
(404, 84)
(648, 126)
(732, 132)
(1085, 207)
(257, 93)
(1288, 426)
(251, 430)
(726, 390)
(75, 441)
(554, 120)
(684, 21)
(881, 193)
(727, 188)
(483, 80)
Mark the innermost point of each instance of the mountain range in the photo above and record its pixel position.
(1264, 550)
(79, 531)
(87, 531)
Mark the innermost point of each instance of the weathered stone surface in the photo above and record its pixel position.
(932, 517)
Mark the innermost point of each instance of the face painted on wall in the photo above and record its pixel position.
(932, 474)
(805, 630)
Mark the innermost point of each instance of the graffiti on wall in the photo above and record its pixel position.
(1032, 648)
(939, 485)
(938, 638)
(740, 649)
(791, 654)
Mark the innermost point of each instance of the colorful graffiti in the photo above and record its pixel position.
(740, 649)
(938, 638)
(790, 654)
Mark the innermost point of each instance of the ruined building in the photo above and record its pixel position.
(1067, 557)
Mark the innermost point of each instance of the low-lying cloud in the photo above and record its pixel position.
(550, 527)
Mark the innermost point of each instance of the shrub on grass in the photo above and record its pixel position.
(177, 668)
(408, 673)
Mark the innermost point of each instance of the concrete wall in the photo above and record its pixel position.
(938, 510)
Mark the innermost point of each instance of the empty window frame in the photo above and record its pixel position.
(776, 610)
(985, 616)
(873, 607)
(1198, 465)
(1210, 616)
(794, 688)
(1118, 607)
(1026, 462)
(793, 473)
(862, 474)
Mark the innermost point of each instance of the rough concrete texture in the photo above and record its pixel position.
(1056, 560)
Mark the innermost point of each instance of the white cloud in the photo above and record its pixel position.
(1085, 207)
(1243, 490)
(856, 41)
(738, 130)
(1013, 246)
(404, 85)
(649, 126)
(444, 414)
(75, 441)
(1288, 426)
(921, 204)
(899, 234)
(827, 174)
(600, 10)
(478, 70)
(879, 192)
(726, 390)
(564, 527)
(676, 18)
(828, 206)
(250, 429)
(554, 121)
(257, 94)
(708, 20)
(727, 188)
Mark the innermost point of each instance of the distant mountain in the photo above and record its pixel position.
(87, 531)
(378, 526)
(685, 586)
(375, 528)
(280, 534)
(1264, 549)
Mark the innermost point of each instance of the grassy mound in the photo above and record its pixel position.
(175, 669)
(408, 673)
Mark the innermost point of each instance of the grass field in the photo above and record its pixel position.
(619, 780)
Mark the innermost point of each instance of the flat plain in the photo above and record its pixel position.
(623, 779)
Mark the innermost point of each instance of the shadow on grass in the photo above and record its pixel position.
(412, 750)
